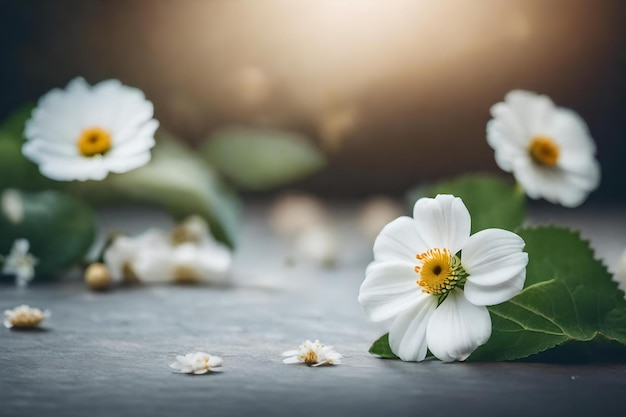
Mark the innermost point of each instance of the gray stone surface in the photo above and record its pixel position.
(108, 353)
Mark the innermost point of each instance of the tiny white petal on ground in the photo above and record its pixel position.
(24, 317)
(197, 363)
(312, 354)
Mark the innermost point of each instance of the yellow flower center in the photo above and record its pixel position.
(185, 275)
(439, 271)
(310, 358)
(544, 150)
(94, 141)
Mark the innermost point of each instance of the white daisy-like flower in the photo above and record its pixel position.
(548, 149)
(313, 354)
(121, 255)
(20, 263)
(84, 132)
(196, 363)
(24, 317)
(434, 280)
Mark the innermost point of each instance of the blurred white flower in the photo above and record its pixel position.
(20, 263)
(189, 254)
(196, 363)
(312, 354)
(194, 229)
(186, 263)
(84, 132)
(376, 212)
(12, 205)
(548, 149)
(434, 280)
(319, 244)
(291, 214)
(24, 317)
(120, 256)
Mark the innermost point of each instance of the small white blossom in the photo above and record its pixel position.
(24, 317)
(196, 363)
(313, 354)
(12, 205)
(84, 132)
(548, 149)
(20, 263)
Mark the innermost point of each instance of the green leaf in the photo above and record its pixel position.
(569, 296)
(492, 201)
(262, 159)
(175, 179)
(15, 170)
(381, 348)
(59, 228)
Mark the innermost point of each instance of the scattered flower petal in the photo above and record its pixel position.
(20, 263)
(434, 280)
(84, 132)
(196, 363)
(548, 149)
(312, 354)
(24, 317)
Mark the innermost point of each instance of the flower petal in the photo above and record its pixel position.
(399, 241)
(457, 328)
(442, 222)
(533, 111)
(389, 288)
(407, 337)
(481, 295)
(493, 256)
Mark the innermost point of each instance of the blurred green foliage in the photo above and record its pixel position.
(262, 159)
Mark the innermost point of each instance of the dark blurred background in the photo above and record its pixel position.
(395, 92)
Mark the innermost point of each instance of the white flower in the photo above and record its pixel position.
(196, 363)
(120, 256)
(186, 263)
(189, 254)
(20, 263)
(84, 132)
(434, 280)
(548, 149)
(24, 317)
(312, 354)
